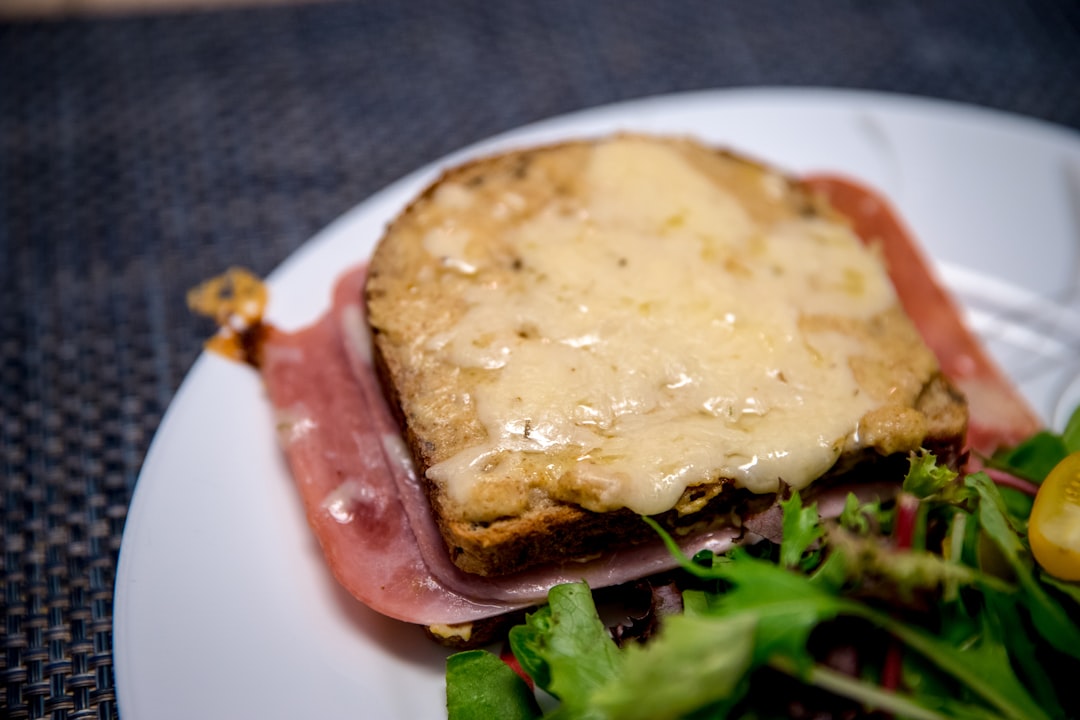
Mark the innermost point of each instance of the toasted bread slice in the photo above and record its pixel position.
(579, 334)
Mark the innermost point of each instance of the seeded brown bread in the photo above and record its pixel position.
(413, 296)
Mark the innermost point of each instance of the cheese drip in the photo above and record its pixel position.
(651, 341)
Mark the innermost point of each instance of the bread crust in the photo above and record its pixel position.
(431, 400)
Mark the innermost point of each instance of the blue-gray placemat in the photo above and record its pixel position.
(141, 155)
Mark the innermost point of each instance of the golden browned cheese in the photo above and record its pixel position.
(579, 334)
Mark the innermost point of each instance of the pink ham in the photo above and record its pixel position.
(334, 446)
(998, 414)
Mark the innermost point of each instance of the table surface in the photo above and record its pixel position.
(142, 154)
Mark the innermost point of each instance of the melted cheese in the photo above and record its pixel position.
(652, 341)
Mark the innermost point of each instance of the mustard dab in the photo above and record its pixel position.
(235, 301)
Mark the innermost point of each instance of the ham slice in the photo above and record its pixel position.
(367, 507)
(339, 461)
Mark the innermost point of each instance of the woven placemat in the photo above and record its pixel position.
(141, 155)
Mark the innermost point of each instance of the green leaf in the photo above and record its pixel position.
(696, 602)
(1035, 457)
(994, 519)
(786, 605)
(693, 661)
(1017, 505)
(852, 517)
(697, 567)
(953, 550)
(1015, 635)
(1049, 617)
(564, 646)
(1069, 589)
(984, 668)
(873, 696)
(480, 686)
(529, 644)
(862, 518)
(801, 529)
(832, 574)
(926, 478)
(1071, 435)
(920, 676)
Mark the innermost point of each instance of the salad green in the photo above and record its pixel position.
(929, 606)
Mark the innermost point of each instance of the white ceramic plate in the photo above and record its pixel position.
(223, 606)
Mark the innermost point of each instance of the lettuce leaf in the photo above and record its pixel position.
(801, 527)
(1070, 436)
(564, 646)
(480, 686)
(1035, 457)
(925, 479)
(695, 662)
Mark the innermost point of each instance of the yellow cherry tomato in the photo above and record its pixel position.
(1054, 527)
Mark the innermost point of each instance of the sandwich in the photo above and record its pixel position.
(576, 336)
(551, 344)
